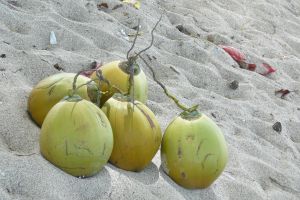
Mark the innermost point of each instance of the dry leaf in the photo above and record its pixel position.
(134, 3)
(102, 5)
(283, 92)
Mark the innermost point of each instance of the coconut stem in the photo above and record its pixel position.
(75, 80)
(87, 84)
(99, 77)
(131, 82)
(134, 41)
(77, 88)
(171, 96)
(74, 88)
(131, 60)
(152, 39)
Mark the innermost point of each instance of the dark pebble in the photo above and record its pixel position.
(277, 127)
(182, 29)
(214, 115)
(234, 85)
(93, 65)
(102, 6)
(59, 68)
(3, 55)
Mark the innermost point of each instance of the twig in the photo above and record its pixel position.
(180, 105)
(134, 41)
(284, 92)
(17, 154)
(152, 38)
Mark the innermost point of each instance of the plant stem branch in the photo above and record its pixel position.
(134, 41)
(152, 39)
(171, 96)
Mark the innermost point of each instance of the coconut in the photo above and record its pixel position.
(137, 134)
(118, 75)
(76, 136)
(54, 88)
(194, 151)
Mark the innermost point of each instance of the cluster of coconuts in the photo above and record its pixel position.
(80, 135)
(81, 130)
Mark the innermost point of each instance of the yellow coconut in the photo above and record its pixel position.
(194, 151)
(118, 73)
(54, 88)
(76, 137)
(137, 134)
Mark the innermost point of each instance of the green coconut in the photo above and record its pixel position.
(137, 133)
(194, 151)
(52, 89)
(76, 136)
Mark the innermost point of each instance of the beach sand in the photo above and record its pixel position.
(263, 163)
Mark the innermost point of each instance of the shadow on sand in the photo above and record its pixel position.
(147, 176)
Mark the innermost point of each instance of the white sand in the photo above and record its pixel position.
(263, 164)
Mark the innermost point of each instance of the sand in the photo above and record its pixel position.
(263, 163)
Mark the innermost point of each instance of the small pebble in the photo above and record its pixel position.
(59, 68)
(277, 127)
(234, 85)
(182, 29)
(214, 115)
(93, 65)
(3, 55)
(210, 38)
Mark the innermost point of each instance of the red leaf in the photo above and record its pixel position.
(283, 92)
(251, 67)
(269, 68)
(236, 54)
(93, 67)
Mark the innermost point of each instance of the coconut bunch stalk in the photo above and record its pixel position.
(137, 133)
